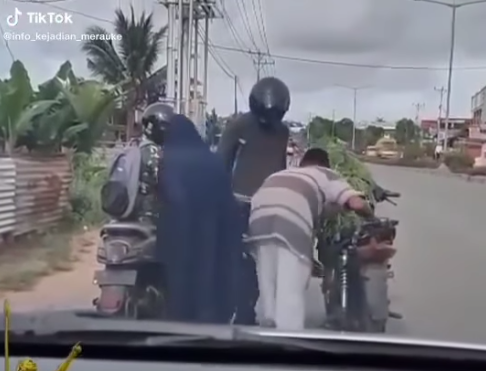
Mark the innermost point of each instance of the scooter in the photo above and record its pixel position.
(130, 282)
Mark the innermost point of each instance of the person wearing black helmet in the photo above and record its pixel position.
(253, 147)
(155, 120)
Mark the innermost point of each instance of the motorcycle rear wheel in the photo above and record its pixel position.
(341, 319)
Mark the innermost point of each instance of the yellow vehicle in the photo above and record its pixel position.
(387, 148)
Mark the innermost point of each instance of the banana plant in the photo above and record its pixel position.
(64, 111)
(92, 106)
(18, 107)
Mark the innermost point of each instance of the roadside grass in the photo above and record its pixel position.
(24, 262)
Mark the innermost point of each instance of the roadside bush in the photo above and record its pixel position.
(458, 161)
(476, 171)
(429, 149)
(413, 151)
(90, 173)
(425, 163)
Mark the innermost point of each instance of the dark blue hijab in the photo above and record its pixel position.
(199, 231)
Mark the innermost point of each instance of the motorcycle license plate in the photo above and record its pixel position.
(115, 277)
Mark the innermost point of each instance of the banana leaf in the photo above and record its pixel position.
(356, 174)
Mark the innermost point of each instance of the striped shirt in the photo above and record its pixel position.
(289, 202)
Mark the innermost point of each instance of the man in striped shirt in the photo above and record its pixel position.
(283, 213)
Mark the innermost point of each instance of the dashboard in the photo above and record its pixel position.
(51, 364)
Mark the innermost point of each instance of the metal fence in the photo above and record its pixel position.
(7, 195)
(34, 193)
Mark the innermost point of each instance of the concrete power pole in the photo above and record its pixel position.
(261, 62)
(441, 92)
(184, 53)
(418, 108)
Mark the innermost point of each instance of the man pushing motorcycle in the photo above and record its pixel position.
(284, 212)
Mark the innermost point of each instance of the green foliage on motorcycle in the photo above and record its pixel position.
(357, 175)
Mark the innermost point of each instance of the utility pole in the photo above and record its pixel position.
(333, 122)
(453, 7)
(261, 62)
(236, 95)
(355, 104)
(309, 122)
(418, 108)
(441, 91)
(183, 54)
(355, 107)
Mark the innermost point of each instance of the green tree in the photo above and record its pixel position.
(406, 131)
(321, 127)
(372, 134)
(63, 112)
(131, 62)
(344, 130)
(18, 106)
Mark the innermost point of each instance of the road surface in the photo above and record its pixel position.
(440, 267)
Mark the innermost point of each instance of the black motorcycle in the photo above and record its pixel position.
(130, 284)
(356, 273)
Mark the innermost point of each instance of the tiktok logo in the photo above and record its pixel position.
(13, 20)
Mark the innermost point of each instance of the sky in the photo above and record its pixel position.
(369, 32)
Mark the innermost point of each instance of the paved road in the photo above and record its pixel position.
(440, 268)
(440, 284)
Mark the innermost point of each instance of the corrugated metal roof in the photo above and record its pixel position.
(7, 195)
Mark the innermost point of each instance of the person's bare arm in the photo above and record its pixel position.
(338, 191)
(229, 143)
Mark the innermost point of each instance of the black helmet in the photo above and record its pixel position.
(155, 120)
(270, 100)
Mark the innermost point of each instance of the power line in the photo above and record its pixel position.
(234, 32)
(245, 20)
(348, 64)
(222, 64)
(262, 29)
(292, 58)
(259, 22)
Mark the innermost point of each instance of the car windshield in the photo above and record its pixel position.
(144, 178)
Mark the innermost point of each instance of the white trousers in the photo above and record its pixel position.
(283, 279)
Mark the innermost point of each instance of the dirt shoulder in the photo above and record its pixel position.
(49, 275)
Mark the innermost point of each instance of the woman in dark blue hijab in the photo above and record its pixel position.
(199, 230)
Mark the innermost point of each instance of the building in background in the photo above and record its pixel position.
(477, 130)
(389, 127)
(457, 128)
